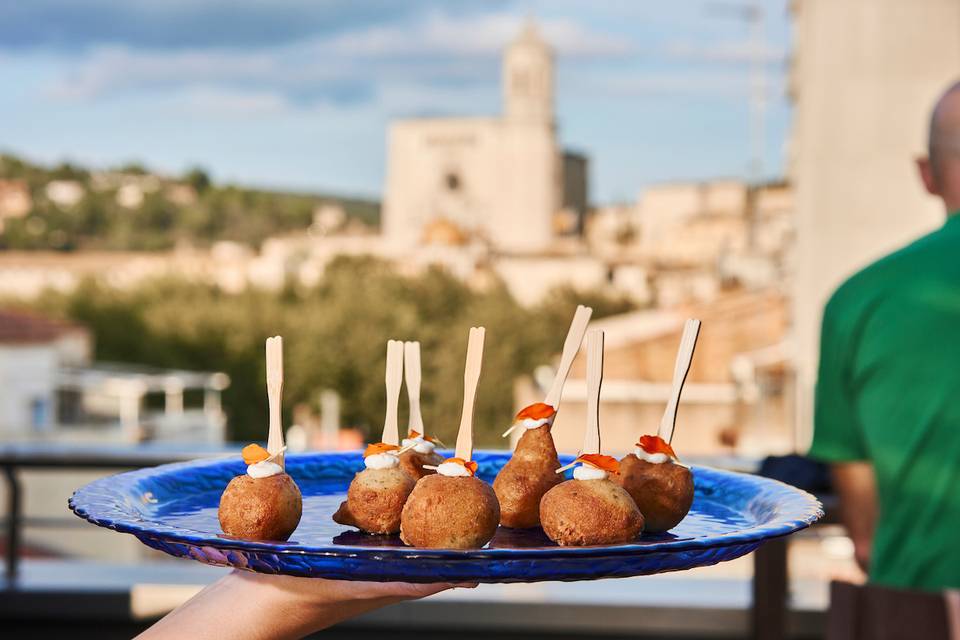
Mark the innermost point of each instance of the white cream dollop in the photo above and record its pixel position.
(453, 470)
(654, 458)
(588, 472)
(263, 469)
(381, 461)
(419, 444)
(531, 423)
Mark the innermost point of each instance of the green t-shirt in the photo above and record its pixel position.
(888, 391)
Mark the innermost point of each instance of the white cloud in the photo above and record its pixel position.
(726, 84)
(439, 49)
(109, 69)
(216, 102)
(484, 35)
(743, 51)
(641, 84)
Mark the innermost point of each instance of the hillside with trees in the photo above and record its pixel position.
(130, 208)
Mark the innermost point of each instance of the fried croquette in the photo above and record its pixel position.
(375, 500)
(450, 513)
(589, 512)
(260, 508)
(526, 477)
(663, 492)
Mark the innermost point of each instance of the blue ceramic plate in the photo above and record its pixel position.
(173, 508)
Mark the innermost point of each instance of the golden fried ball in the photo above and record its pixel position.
(260, 508)
(529, 474)
(450, 513)
(589, 512)
(412, 462)
(375, 499)
(663, 492)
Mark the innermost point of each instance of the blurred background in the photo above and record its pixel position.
(180, 180)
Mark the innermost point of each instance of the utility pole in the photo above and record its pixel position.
(754, 15)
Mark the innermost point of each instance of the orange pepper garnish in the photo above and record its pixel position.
(379, 447)
(469, 464)
(536, 411)
(414, 434)
(254, 453)
(600, 461)
(656, 444)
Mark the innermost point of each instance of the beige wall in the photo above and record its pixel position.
(508, 189)
(530, 278)
(866, 74)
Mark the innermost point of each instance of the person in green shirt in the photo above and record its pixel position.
(887, 414)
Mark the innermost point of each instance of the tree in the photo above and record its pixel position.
(335, 337)
(198, 179)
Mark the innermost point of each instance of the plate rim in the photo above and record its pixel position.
(87, 502)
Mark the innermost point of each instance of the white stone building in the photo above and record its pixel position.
(51, 391)
(500, 179)
(32, 352)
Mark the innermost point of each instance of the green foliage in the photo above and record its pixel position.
(221, 212)
(68, 171)
(198, 179)
(335, 337)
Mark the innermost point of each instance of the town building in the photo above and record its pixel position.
(53, 391)
(503, 179)
(15, 200)
(738, 396)
(33, 350)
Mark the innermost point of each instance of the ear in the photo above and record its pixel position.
(925, 169)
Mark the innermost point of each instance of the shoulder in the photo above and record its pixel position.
(889, 274)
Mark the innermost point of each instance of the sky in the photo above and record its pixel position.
(298, 94)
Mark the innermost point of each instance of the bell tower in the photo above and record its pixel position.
(528, 78)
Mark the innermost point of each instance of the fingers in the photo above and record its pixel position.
(414, 591)
(346, 590)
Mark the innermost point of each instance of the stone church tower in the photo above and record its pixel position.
(528, 79)
(496, 179)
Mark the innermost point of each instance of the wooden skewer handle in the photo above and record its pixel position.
(688, 342)
(571, 346)
(274, 353)
(411, 373)
(471, 376)
(394, 380)
(591, 436)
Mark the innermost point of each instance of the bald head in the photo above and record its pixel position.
(945, 126)
(940, 171)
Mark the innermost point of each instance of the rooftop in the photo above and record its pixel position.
(21, 327)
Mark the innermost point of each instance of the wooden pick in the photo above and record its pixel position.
(688, 342)
(411, 373)
(274, 394)
(394, 378)
(591, 437)
(471, 375)
(570, 348)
